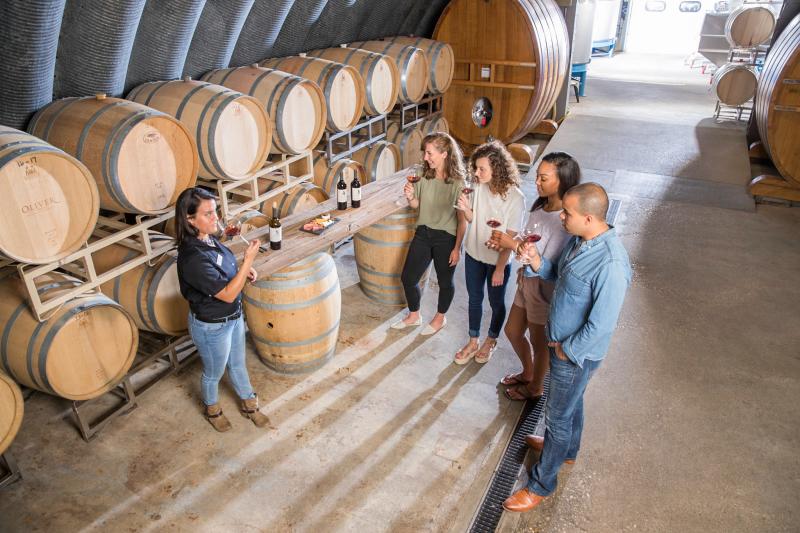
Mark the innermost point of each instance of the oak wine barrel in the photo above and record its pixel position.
(48, 197)
(150, 293)
(380, 252)
(380, 75)
(505, 82)
(141, 158)
(327, 176)
(735, 84)
(81, 351)
(302, 197)
(380, 159)
(341, 85)
(749, 25)
(433, 124)
(12, 407)
(411, 62)
(777, 103)
(293, 315)
(232, 130)
(408, 141)
(295, 105)
(440, 61)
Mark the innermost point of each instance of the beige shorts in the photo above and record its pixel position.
(534, 295)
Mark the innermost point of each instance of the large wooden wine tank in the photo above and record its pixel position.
(777, 104)
(511, 61)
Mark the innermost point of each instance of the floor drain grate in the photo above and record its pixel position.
(508, 470)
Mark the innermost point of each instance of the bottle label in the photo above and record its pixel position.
(357, 194)
(341, 195)
(275, 234)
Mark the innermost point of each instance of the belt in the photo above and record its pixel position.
(234, 316)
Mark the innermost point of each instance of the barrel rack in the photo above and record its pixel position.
(366, 133)
(9, 471)
(158, 357)
(412, 114)
(277, 170)
(751, 57)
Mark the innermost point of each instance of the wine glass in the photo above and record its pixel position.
(232, 228)
(415, 173)
(468, 188)
(529, 235)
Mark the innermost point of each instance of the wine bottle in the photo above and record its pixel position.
(341, 194)
(355, 192)
(275, 232)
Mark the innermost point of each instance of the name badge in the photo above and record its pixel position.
(219, 260)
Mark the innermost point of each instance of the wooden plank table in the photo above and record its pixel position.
(378, 200)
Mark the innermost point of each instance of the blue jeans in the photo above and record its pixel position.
(221, 345)
(563, 421)
(478, 275)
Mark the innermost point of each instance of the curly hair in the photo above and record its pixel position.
(504, 170)
(453, 165)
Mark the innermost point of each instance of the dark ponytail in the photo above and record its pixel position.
(186, 206)
(568, 172)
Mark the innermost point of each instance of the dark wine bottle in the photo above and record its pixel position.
(275, 232)
(341, 194)
(355, 192)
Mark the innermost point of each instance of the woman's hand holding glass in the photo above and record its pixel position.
(463, 201)
(415, 173)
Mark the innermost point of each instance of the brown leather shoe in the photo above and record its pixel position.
(217, 419)
(535, 442)
(522, 501)
(249, 409)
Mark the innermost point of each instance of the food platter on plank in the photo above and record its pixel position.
(319, 224)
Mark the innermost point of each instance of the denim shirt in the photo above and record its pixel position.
(590, 288)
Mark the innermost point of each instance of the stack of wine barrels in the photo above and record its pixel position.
(341, 85)
(749, 25)
(295, 105)
(380, 75)
(408, 141)
(81, 351)
(11, 410)
(293, 315)
(777, 104)
(47, 197)
(534, 36)
(735, 84)
(441, 61)
(141, 158)
(379, 160)
(150, 292)
(233, 132)
(380, 251)
(411, 63)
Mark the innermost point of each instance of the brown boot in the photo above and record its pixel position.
(249, 409)
(216, 418)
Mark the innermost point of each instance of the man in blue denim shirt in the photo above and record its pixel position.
(592, 276)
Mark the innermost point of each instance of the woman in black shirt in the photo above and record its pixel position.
(212, 283)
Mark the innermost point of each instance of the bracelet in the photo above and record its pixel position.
(517, 250)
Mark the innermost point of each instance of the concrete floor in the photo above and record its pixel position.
(690, 424)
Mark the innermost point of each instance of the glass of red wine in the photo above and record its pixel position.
(232, 228)
(530, 235)
(467, 189)
(415, 173)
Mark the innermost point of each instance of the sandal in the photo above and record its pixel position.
(482, 356)
(520, 393)
(466, 353)
(513, 379)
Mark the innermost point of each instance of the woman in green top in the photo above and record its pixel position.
(440, 228)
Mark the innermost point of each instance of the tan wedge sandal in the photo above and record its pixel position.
(249, 409)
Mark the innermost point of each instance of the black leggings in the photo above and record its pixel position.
(429, 244)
